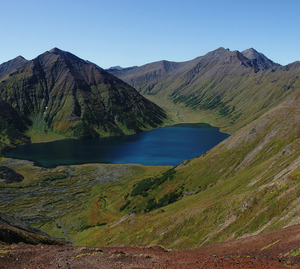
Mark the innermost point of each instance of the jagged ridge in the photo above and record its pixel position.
(224, 84)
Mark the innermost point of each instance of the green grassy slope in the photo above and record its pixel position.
(246, 185)
(223, 88)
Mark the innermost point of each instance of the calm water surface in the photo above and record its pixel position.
(164, 146)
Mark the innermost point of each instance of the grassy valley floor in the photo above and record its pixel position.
(65, 200)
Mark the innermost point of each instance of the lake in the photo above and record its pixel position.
(163, 146)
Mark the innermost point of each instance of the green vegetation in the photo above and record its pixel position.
(270, 245)
(295, 252)
(62, 102)
(71, 199)
(248, 184)
(151, 183)
(12, 127)
(219, 88)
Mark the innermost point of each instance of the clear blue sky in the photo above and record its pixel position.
(136, 32)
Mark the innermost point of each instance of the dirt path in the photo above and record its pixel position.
(273, 250)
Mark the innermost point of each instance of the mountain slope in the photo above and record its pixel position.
(13, 126)
(15, 231)
(11, 65)
(64, 94)
(246, 185)
(223, 87)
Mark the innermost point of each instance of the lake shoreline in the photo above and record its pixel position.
(164, 146)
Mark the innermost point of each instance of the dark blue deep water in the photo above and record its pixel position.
(164, 146)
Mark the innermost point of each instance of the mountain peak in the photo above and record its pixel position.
(250, 53)
(11, 65)
(258, 59)
(20, 58)
(117, 68)
(221, 49)
(56, 50)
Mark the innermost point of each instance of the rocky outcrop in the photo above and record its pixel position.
(10, 176)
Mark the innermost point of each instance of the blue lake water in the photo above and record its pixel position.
(164, 146)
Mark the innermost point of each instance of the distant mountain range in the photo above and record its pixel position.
(232, 87)
(64, 94)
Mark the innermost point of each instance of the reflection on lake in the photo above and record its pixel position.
(164, 146)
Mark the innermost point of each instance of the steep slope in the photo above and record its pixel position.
(64, 94)
(11, 65)
(223, 87)
(15, 231)
(13, 126)
(247, 185)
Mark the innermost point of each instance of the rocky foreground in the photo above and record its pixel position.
(278, 249)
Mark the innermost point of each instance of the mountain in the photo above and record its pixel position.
(13, 126)
(11, 65)
(66, 95)
(223, 87)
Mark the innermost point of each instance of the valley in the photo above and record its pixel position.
(247, 185)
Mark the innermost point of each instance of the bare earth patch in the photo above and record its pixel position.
(278, 249)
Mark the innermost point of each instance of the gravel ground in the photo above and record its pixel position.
(277, 249)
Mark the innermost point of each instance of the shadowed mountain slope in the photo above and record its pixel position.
(13, 125)
(64, 94)
(258, 59)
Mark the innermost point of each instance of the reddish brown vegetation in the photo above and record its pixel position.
(272, 250)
